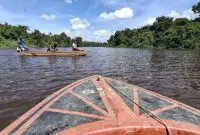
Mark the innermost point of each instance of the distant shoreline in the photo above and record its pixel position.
(108, 47)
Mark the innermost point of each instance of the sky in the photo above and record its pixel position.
(93, 20)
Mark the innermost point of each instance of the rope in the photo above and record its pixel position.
(146, 111)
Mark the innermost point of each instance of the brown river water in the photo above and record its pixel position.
(25, 81)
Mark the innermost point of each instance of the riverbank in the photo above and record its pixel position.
(13, 45)
(165, 33)
(9, 34)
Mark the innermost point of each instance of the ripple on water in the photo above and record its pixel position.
(24, 81)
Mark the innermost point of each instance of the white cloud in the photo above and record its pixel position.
(73, 33)
(89, 35)
(149, 21)
(174, 14)
(185, 14)
(48, 17)
(102, 35)
(68, 1)
(108, 16)
(77, 23)
(123, 13)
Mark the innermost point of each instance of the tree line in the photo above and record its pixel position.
(10, 34)
(166, 32)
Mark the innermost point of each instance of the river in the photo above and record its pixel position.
(24, 81)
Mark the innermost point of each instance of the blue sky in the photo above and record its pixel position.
(94, 20)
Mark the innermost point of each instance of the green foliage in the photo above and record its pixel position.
(9, 35)
(182, 21)
(7, 43)
(196, 8)
(162, 23)
(93, 44)
(167, 33)
(79, 41)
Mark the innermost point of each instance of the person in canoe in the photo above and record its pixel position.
(75, 47)
(53, 48)
(21, 45)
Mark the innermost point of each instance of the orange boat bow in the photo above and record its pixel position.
(98, 105)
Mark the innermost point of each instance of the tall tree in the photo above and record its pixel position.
(196, 8)
(79, 41)
(162, 23)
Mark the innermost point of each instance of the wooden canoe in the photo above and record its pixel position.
(63, 54)
(102, 106)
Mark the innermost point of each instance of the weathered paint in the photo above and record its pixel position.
(94, 106)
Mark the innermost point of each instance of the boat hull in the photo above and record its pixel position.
(97, 105)
(47, 54)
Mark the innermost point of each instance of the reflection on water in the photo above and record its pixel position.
(24, 81)
(51, 60)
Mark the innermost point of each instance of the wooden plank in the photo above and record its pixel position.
(81, 53)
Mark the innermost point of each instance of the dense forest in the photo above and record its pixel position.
(165, 32)
(10, 34)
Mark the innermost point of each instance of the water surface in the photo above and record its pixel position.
(24, 81)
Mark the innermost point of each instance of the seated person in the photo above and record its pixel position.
(75, 48)
(21, 45)
(52, 48)
(48, 49)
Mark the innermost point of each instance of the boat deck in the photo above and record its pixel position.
(98, 105)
